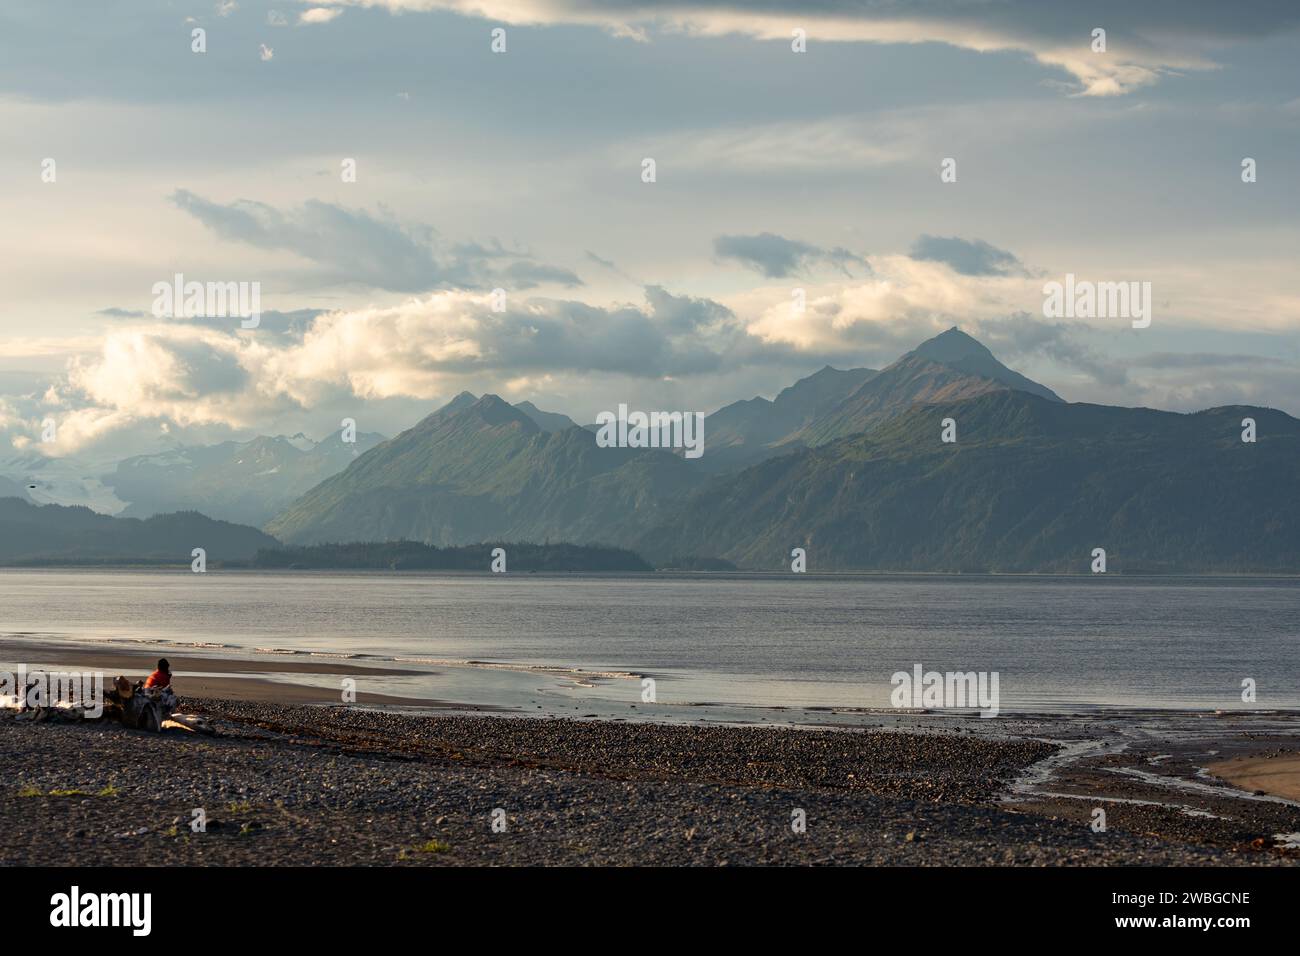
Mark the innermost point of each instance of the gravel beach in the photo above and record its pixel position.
(300, 785)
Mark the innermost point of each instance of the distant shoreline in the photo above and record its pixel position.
(739, 573)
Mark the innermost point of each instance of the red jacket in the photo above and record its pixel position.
(158, 679)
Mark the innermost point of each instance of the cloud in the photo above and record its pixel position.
(1187, 382)
(142, 378)
(873, 321)
(196, 379)
(842, 143)
(416, 347)
(1144, 41)
(613, 267)
(777, 257)
(192, 375)
(293, 324)
(966, 256)
(60, 346)
(356, 248)
(114, 312)
(1174, 380)
(318, 15)
(1023, 336)
(1203, 360)
(172, 371)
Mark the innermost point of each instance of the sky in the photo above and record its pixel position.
(127, 158)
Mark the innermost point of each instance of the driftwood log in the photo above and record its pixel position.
(134, 705)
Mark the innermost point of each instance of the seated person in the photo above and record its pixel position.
(162, 677)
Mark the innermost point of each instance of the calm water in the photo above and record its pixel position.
(1058, 644)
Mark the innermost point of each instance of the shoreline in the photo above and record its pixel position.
(1175, 787)
(226, 676)
(739, 573)
(256, 675)
(294, 784)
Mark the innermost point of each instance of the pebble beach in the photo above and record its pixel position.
(291, 784)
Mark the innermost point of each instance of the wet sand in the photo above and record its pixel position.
(1277, 774)
(261, 689)
(116, 659)
(194, 675)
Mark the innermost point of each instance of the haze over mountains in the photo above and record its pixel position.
(12, 489)
(43, 534)
(247, 482)
(67, 481)
(846, 464)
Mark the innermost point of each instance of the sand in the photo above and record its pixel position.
(118, 659)
(189, 673)
(1276, 774)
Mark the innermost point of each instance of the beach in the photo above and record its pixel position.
(1276, 773)
(284, 782)
(226, 676)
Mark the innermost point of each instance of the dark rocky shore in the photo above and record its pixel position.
(304, 785)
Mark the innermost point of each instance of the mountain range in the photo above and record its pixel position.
(849, 465)
(481, 469)
(951, 367)
(247, 482)
(1030, 485)
(748, 431)
(44, 534)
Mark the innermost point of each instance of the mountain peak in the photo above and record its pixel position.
(463, 400)
(953, 345)
(957, 350)
(495, 410)
(823, 388)
(468, 409)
